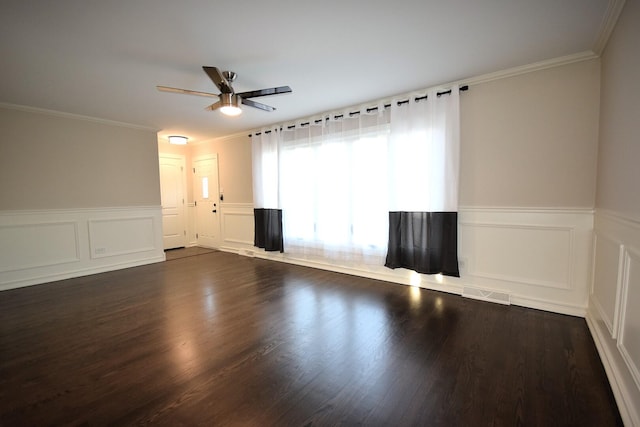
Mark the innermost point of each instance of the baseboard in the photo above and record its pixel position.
(78, 273)
(404, 277)
(626, 406)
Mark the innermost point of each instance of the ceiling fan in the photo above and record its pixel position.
(229, 101)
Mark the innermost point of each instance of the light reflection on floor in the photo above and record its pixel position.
(338, 333)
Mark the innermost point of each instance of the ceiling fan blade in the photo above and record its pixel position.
(214, 106)
(185, 91)
(265, 92)
(217, 77)
(255, 104)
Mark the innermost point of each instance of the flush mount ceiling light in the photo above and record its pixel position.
(229, 104)
(178, 140)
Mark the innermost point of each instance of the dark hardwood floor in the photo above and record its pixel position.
(220, 339)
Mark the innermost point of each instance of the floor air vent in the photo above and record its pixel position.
(486, 295)
(246, 252)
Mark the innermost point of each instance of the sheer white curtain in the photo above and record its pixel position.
(333, 188)
(424, 151)
(266, 197)
(378, 186)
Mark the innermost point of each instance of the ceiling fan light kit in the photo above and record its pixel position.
(229, 101)
(229, 104)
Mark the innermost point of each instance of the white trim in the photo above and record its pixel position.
(238, 205)
(64, 211)
(556, 285)
(70, 274)
(630, 255)
(223, 138)
(428, 282)
(118, 247)
(92, 224)
(528, 210)
(64, 115)
(564, 289)
(529, 68)
(546, 305)
(612, 324)
(608, 24)
(622, 370)
(28, 266)
(622, 218)
(625, 403)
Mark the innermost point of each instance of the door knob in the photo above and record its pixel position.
(214, 211)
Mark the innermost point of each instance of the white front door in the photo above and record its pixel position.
(172, 177)
(207, 199)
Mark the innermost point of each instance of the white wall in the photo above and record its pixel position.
(613, 315)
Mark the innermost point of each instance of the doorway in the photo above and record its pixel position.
(172, 195)
(207, 201)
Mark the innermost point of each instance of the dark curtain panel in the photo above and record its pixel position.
(268, 229)
(426, 242)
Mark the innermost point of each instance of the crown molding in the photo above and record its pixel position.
(530, 68)
(242, 134)
(64, 115)
(609, 21)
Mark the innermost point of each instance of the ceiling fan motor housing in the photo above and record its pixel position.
(229, 99)
(229, 76)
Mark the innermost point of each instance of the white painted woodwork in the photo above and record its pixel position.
(607, 274)
(207, 199)
(613, 316)
(172, 190)
(39, 246)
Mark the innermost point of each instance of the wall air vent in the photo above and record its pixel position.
(486, 295)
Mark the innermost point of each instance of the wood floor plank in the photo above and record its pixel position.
(220, 339)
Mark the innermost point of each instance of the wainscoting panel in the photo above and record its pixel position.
(47, 245)
(613, 316)
(237, 226)
(120, 236)
(541, 258)
(531, 255)
(629, 340)
(25, 248)
(607, 274)
(537, 258)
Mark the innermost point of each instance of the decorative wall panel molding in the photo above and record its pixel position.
(607, 275)
(45, 245)
(237, 226)
(120, 236)
(527, 254)
(540, 257)
(613, 316)
(629, 339)
(25, 246)
(537, 258)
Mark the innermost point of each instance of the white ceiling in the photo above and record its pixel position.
(104, 58)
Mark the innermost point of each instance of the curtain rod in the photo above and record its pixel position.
(353, 113)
